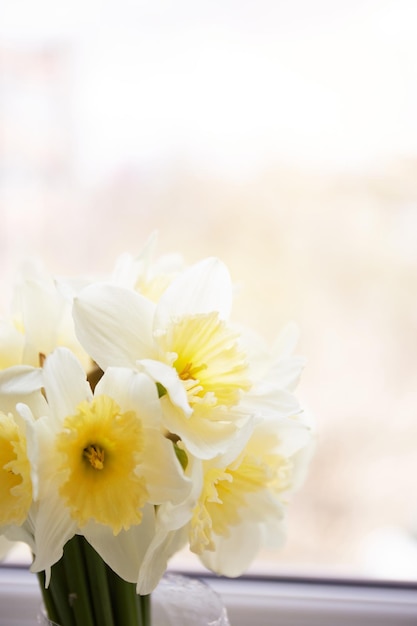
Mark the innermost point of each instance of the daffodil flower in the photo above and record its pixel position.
(144, 274)
(40, 320)
(275, 372)
(15, 474)
(12, 344)
(241, 505)
(17, 478)
(102, 463)
(184, 342)
(159, 424)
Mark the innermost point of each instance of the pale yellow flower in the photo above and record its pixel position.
(146, 275)
(15, 472)
(242, 500)
(40, 320)
(102, 463)
(184, 342)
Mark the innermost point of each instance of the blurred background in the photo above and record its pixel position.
(280, 136)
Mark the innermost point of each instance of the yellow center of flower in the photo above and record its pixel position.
(225, 496)
(101, 451)
(207, 357)
(15, 481)
(95, 456)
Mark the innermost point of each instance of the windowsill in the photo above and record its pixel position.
(267, 602)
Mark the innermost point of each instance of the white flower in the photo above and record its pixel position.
(274, 373)
(143, 274)
(102, 464)
(186, 430)
(242, 502)
(11, 343)
(184, 343)
(15, 472)
(41, 320)
(17, 478)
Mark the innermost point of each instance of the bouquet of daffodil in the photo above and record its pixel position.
(136, 419)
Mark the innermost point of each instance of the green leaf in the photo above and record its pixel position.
(181, 456)
(161, 390)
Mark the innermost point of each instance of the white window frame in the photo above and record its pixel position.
(256, 601)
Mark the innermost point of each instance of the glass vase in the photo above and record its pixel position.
(180, 600)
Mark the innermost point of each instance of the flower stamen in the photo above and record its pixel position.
(190, 371)
(95, 456)
(208, 358)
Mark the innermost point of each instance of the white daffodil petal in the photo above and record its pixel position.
(165, 480)
(286, 436)
(257, 351)
(129, 269)
(164, 545)
(35, 400)
(270, 402)
(233, 554)
(125, 552)
(236, 446)
(20, 380)
(294, 436)
(12, 343)
(32, 451)
(22, 383)
(40, 434)
(262, 506)
(204, 438)
(114, 324)
(174, 516)
(133, 391)
(42, 308)
(53, 528)
(169, 379)
(144, 275)
(65, 383)
(16, 481)
(202, 288)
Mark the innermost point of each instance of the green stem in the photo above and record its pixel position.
(47, 598)
(84, 591)
(79, 592)
(58, 589)
(145, 604)
(99, 587)
(124, 600)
